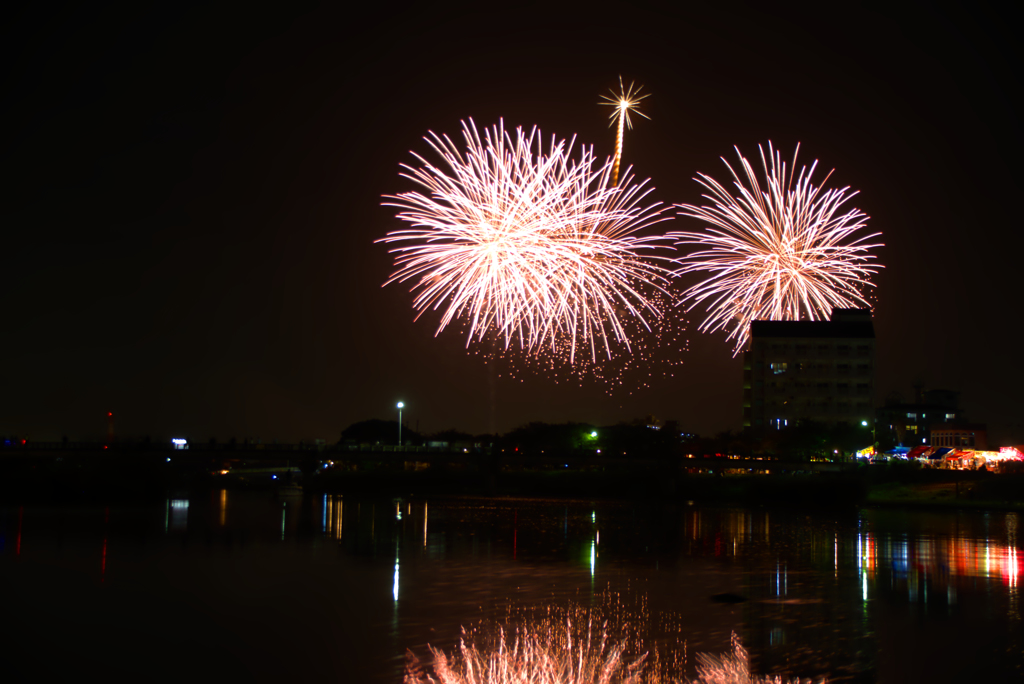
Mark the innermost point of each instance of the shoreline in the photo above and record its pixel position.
(861, 488)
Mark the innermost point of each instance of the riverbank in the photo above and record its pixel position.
(946, 495)
(118, 479)
(857, 488)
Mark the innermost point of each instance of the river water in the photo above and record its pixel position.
(276, 585)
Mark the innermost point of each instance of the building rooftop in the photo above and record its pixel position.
(761, 329)
(844, 323)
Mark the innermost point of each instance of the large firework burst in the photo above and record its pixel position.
(785, 252)
(526, 243)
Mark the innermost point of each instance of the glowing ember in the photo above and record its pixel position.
(788, 252)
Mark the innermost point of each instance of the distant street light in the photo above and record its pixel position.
(865, 424)
(400, 407)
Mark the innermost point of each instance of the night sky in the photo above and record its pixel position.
(192, 196)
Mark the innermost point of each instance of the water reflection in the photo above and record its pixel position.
(935, 560)
(810, 595)
(332, 516)
(176, 519)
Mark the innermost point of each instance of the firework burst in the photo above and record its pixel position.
(789, 251)
(527, 244)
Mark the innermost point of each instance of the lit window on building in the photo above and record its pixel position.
(950, 416)
(779, 367)
(912, 416)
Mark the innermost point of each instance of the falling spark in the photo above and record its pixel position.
(625, 101)
(527, 245)
(655, 352)
(787, 252)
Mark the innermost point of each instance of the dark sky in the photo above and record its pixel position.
(192, 196)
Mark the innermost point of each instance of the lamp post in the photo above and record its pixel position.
(400, 407)
(865, 424)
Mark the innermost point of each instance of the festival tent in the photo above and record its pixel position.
(918, 451)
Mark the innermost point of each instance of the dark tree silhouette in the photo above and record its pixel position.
(376, 431)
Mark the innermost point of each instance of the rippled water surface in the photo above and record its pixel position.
(274, 585)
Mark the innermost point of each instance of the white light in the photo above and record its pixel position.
(401, 405)
(179, 441)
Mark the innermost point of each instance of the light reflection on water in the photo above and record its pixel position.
(810, 582)
(875, 595)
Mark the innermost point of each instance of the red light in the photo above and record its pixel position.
(109, 414)
(104, 446)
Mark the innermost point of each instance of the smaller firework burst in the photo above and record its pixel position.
(789, 251)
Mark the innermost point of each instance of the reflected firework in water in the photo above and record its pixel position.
(528, 244)
(577, 647)
(549, 654)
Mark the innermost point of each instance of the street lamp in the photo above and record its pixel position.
(400, 407)
(865, 424)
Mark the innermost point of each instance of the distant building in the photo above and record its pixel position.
(911, 424)
(810, 370)
(959, 436)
